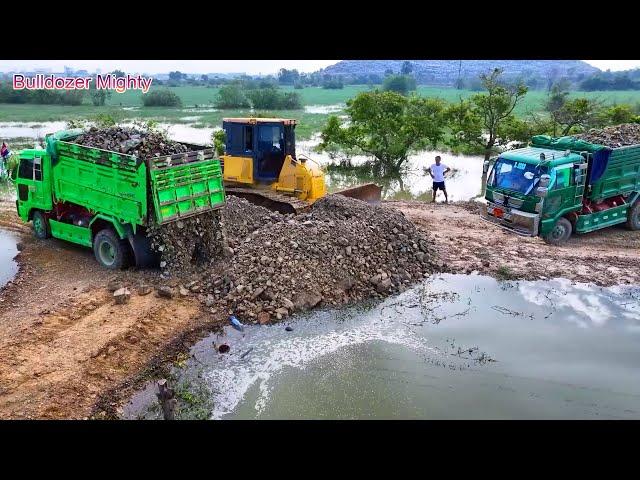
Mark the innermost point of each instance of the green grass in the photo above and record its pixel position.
(204, 97)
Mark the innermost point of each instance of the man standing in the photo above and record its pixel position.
(437, 171)
(4, 156)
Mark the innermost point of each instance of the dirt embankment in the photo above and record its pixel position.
(466, 244)
(68, 351)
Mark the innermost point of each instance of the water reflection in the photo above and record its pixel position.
(454, 346)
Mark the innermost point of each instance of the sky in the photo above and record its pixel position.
(252, 67)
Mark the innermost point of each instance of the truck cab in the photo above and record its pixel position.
(33, 183)
(530, 189)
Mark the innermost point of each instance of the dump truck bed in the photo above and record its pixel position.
(621, 176)
(131, 189)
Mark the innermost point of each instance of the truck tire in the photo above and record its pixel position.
(40, 224)
(561, 232)
(633, 222)
(109, 250)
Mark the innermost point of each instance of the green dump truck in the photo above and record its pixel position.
(559, 186)
(108, 200)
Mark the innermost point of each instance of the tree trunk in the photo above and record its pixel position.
(487, 156)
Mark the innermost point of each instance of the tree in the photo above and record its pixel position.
(407, 68)
(231, 96)
(119, 73)
(577, 112)
(496, 106)
(288, 77)
(204, 78)
(176, 76)
(386, 126)
(161, 98)
(617, 114)
(219, 140)
(98, 96)
(556, 101)
(402, 84)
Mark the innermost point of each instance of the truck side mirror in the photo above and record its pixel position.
(545, 180)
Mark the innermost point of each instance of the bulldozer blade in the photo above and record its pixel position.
(369, 192)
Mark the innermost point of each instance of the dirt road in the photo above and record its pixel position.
(466, 244)
(67, 351)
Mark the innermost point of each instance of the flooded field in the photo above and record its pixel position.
(463, 182)
(8, 250)
(453, 347)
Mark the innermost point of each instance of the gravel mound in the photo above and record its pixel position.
(343, 250)
(190, 243)
(614, 136)
(132, 141)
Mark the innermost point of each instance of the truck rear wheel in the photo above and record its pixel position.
(560, 233)
(40, 223)
(633, 222)
(109, 250)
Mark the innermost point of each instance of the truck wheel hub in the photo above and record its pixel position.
(107, 254)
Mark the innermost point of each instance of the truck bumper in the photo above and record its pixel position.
(519, 222)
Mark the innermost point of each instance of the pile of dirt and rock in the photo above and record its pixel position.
(132, 141)
(343, 250)
(192, 242)
(614, 136)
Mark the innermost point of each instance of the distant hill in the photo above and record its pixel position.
(445, 72)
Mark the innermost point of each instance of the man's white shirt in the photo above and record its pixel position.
(438, 172)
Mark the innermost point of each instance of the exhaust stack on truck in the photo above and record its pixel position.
(108, 200)
(559, 186)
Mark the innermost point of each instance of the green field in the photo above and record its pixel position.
(119, 106)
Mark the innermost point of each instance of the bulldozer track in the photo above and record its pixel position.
(270, 199)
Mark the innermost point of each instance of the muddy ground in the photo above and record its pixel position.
(67, 351)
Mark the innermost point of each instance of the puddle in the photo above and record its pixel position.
(8, 250)
(33, 130)
(325, 109)
(453, 347)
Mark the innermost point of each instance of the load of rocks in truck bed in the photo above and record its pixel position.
(614, 136)
(131, 141)
(342, 250)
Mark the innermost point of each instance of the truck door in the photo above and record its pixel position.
(31, 186)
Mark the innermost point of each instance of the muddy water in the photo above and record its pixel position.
(33, 130)
(454, 347)
(463, 182)
(8, 250)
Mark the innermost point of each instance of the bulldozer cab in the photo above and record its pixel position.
(267, 141)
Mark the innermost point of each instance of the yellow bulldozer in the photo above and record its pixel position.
(260, 164)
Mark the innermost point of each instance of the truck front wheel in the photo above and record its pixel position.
(109, 250)
(633, 222)
(41, 227)
(560, 233)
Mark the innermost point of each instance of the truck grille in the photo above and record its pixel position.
(500, 199)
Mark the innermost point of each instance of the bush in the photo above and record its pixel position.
(161, 98)
(402, 84)
(231, 96)
(333, 84)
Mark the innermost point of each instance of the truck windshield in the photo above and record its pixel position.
(519, 176)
